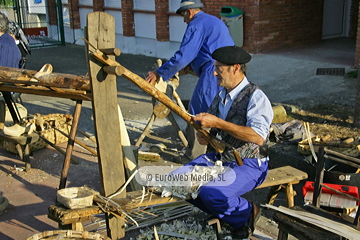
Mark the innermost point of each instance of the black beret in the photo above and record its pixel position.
(231, 55)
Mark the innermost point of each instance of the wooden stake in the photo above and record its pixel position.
(70, 145)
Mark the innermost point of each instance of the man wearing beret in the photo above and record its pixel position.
(203, 35)
(240, 115)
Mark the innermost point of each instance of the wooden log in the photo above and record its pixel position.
(111, 51)
(65, 80)
(115, 70)
(100, 33)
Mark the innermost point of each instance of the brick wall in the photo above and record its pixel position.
(74, 14)
(357, 48)
(52, 12)
(354, 18)
(271, 24)
(128, 18)
(98, 5)
(162, 20)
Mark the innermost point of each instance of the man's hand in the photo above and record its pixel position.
(152, 77)
(206, 120)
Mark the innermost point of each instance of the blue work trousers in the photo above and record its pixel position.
(226, 202)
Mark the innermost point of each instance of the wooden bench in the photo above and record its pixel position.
(283, 179)
(279, 179)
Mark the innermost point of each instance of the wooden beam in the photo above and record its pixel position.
(101, 34)
(64, 80)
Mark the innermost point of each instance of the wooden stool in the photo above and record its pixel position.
(282, 179)
(71, 218)
(22, 146)
(21, 143)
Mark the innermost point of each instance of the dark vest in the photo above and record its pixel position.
(237, 115)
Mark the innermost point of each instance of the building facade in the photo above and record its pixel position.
(151, 27)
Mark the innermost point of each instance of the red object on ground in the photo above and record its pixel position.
(351, 190)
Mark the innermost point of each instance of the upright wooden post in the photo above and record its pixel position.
(70, 145)
(101, 34)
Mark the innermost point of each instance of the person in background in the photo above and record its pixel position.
(240, 115)
(204, 34)
(10, 55)
(21, 41)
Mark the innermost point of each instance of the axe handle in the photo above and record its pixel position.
(158, 95)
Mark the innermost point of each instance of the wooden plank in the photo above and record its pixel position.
(344, 230)
(45, 92)
(101, 34)
(130, 161)
(282, 175)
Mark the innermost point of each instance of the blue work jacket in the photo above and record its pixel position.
(10, 55)
(203, 35)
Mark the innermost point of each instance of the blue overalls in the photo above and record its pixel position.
(224, 200)
(203, 35)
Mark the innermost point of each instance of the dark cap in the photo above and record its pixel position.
(189, 4)
(231, 55)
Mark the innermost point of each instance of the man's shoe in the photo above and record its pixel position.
(247, 230)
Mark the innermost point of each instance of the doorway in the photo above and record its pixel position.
(336, 18)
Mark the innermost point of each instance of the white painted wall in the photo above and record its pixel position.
(144, 42)
(177, 28)
(112, 3)
(86, 2)
(145, 25)
(144, 5)
(83, 15)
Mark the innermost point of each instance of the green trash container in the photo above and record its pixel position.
(233, 18)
